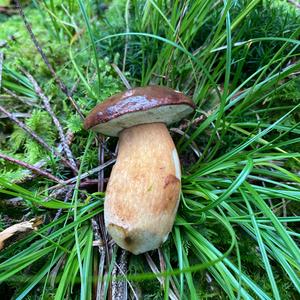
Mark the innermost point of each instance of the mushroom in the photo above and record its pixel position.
(142, 194)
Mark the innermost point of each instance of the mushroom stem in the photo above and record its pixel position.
(143, 190)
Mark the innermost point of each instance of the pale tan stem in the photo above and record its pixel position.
(143, 190)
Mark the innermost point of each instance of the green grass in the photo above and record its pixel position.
(236, 234)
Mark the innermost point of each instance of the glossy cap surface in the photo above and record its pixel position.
(143, 105)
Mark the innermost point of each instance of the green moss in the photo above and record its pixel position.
(40, 122)
(20, 50)
(4, 2)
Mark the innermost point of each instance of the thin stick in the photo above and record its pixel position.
(120, 286)
(155, 270)
(193, 145)
(100, 267)
(293, 2)
(55, 270)
(113, 284)
(123, 267)
(13, 202)
(40, 163)
(122, 76)
(101, 161)
(47, 106)
(12, 94)
(84, 175)
(194, 122)
(17, 115)
(30, 167)
(3, 43)
(74, 87)
(163, 269)
(162, 264)
(105, 239)
(36, 137)
(97, 230)
(75, 105)
(39, 49)
(90, 172)
(61, 85)
(58, 214)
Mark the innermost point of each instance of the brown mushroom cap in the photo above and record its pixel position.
(138, 106)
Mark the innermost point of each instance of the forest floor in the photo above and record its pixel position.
(236, 233)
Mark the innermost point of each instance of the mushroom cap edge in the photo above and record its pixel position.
(136, 106)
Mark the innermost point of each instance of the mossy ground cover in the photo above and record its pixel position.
(236, 234)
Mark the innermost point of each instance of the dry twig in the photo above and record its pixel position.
(61, 85)
(123, 268)
(98, 287)
(192, 145)
(31, 167)
(13, 202)
(97, 230)
(21, 99)
(17, 115)
(163, 269)
(16, 231)
(37, 138)
(29, 176)
(55, 270)
(58, 214)
(122, 76)
(155, 270)
(74, 87)
(101, 161)
(3, 43)
(119, 284)
(194, 122)
(88, 173)
(293, 2)
(48, 108)
(39, 49)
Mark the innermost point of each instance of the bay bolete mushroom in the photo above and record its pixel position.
(142, 194)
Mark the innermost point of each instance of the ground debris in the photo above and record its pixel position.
(18, 231)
